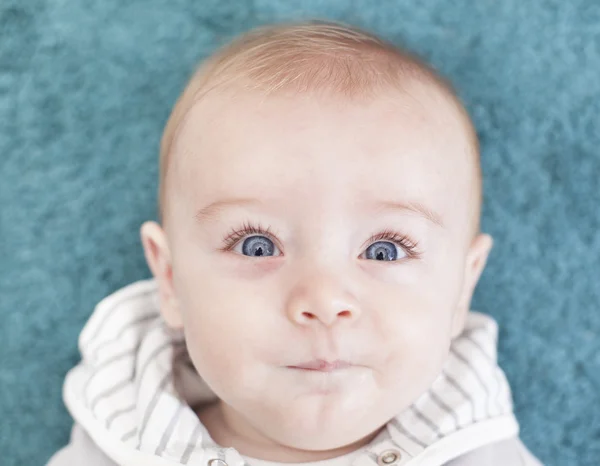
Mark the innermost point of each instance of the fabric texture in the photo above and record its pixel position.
(511, 452)
(80, 450)
(135, 391)
(86, 87)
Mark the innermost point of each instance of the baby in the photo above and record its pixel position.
(318, 248)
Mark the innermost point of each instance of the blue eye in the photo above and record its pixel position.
(257, 246)
(382, 251)
(255, 242)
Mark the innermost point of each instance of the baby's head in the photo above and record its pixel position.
(320, 196)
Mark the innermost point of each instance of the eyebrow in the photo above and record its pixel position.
(212, 211)
(415, 207)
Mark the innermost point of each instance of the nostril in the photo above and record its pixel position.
(311, 316)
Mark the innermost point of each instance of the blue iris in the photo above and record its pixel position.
(382, 251)
(257, 246)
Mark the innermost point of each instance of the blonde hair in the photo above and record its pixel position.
(307, 56)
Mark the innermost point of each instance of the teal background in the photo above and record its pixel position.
(86, 87)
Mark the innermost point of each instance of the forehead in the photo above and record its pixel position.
(407, 145)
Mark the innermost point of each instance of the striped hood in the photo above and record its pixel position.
(134, 386)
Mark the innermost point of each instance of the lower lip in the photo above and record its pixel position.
(328, 370)
(322, 366)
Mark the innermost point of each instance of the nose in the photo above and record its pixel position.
(322, 299)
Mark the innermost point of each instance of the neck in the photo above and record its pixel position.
(228, 429)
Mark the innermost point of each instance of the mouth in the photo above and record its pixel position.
(321, 365)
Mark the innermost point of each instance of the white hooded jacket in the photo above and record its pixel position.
(133, 391)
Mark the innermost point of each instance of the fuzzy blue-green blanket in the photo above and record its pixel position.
(86, 87)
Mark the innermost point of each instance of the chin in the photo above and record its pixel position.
(320, 424)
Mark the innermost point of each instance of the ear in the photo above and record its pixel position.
(476, 259)
(158, 257)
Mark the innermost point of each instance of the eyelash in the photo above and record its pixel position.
(409, 246)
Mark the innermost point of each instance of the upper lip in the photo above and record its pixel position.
(322, 365)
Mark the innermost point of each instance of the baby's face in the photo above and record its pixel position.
(324, 272)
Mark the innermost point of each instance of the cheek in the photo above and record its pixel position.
(418, 333)
(223, 331)
(216, 350)
(428, 346)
